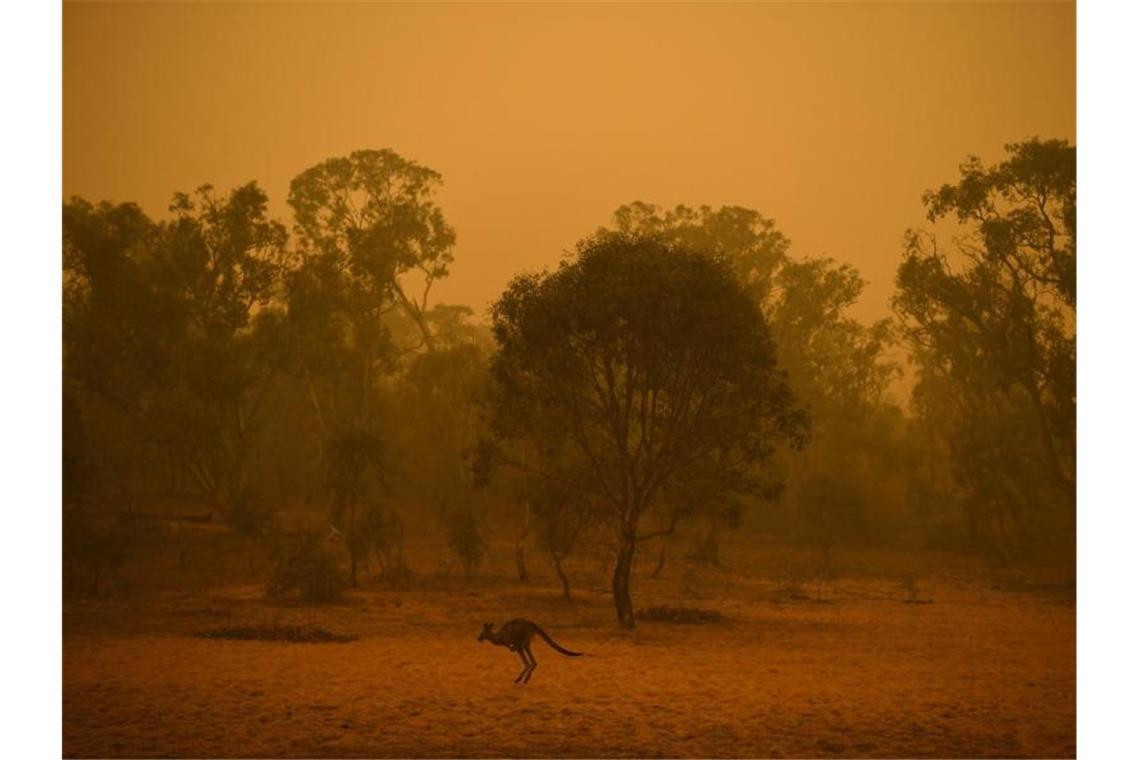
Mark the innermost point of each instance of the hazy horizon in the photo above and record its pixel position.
(831, 120)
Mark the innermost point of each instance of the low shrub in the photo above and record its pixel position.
(308, 569)
(466, 540)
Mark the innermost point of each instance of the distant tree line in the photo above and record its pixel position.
(990, 319)
(679, 372)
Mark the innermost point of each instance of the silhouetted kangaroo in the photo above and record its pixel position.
(515, 635)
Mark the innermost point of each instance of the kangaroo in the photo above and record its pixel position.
(515, 635)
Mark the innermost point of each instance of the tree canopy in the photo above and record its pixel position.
(656, 361)
(173, 324)
(992, 323)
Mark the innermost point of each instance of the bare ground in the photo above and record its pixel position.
(846, 668)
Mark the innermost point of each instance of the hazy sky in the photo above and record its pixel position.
(831, 119)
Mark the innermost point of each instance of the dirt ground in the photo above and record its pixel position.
(983, 667)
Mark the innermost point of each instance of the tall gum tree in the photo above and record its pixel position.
(372, 243)
(175, 325)
(374, 215)
(655, 361)
(991, 319)
(837, 365)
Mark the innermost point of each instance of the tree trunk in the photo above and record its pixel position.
(520, 562)
(350, 542)
(623, 603)
(412, 309)
(562, 576)
(1052, 459)
(520, 550)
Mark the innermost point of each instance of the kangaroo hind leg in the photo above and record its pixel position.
(533, 664)
(526, 666)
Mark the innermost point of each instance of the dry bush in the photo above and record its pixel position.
(310, 569)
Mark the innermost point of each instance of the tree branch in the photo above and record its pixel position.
(656, 533)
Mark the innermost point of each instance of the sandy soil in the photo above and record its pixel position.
(852, 670)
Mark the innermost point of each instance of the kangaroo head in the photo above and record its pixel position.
(486, 632)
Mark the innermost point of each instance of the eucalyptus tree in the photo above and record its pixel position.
(372, 242)
(175, 325)
(374, 215)
(654, 362)
(992, 315)
(838, 365)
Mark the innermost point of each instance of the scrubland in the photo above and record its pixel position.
(899, 654)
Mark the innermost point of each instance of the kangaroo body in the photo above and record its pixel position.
(516, 636)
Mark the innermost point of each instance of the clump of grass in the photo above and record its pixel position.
(791, 587)
(683, 615)
(292, 633)
(910, 589)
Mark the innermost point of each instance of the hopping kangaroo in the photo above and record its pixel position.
(515, 635)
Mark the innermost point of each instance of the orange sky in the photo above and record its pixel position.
(831, 119)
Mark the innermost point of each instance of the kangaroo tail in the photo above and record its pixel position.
(554, 644)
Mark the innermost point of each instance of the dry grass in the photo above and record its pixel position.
(844, 669)
(681, 615)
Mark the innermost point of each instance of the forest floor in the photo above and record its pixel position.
(937, 658)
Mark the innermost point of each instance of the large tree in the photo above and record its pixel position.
(831, 358)
(372, 242)
(373, 215)
(992, 320)
(655, 361)
(743, 238)
(837, 364)
(172, 324)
